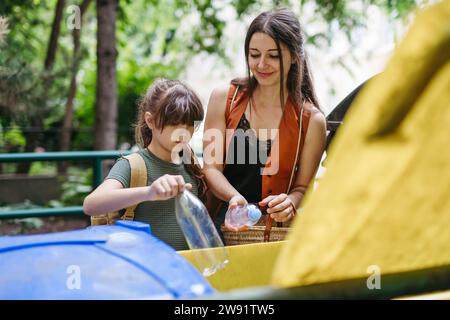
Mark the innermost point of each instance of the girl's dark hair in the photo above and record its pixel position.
(171, 102)
(283, 27)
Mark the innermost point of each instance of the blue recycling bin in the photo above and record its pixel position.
(123, 261)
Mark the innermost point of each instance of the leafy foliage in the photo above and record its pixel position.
(155, 39)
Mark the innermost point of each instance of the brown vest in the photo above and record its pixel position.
(282, 166)
(285, 142)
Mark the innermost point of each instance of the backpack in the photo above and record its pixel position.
(138, 179)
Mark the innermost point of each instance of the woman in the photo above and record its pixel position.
(273, 113)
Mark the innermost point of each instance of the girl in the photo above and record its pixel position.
(272, 113)
(166, 119)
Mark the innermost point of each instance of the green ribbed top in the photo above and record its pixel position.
(159, 214)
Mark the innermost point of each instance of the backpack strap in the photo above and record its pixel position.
(138, 179)
(104, 219)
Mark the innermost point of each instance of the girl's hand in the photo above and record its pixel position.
(167, 187)
(280, 207)
(236, 201)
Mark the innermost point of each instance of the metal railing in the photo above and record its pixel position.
(95, 156)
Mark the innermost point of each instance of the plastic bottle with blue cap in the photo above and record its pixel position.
(243, 216)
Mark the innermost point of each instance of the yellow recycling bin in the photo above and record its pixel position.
(250, 265)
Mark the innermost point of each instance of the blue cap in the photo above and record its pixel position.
(254, 213)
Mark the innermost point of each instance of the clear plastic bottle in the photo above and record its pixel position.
(243, 216)
(200, 233)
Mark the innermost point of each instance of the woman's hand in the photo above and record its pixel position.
(167, 187)
(280, 207)
(236, 201)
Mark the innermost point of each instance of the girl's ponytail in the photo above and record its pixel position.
(195, 170)
(142, 133)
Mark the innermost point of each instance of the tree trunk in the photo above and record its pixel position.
(32, 138)
(106, 95)
(31, 143)
(53, 41)
(66, 132)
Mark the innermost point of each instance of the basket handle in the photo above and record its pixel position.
(269, 220)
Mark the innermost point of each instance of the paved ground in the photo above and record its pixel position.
(42, 225)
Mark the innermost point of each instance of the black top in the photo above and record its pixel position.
(246, 159)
